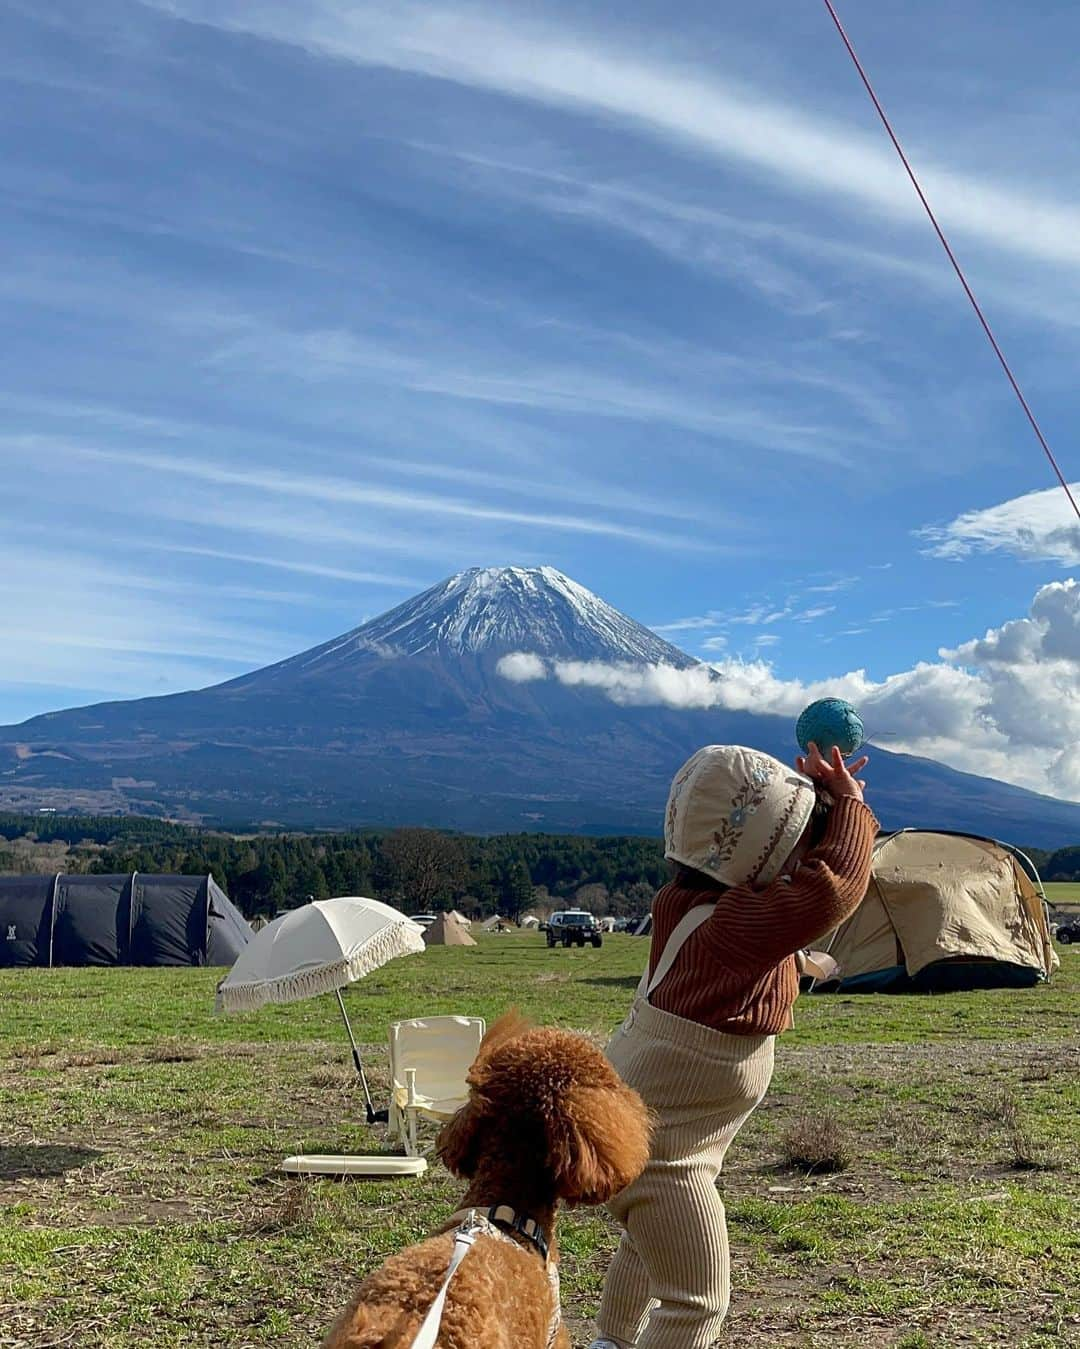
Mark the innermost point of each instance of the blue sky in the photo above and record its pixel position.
(311, 303)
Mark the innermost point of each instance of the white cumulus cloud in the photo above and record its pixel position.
(1004, 705)
(642, 684)
(521, 667)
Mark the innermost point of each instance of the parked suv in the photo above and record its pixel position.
(573, 927)
(1068, 931)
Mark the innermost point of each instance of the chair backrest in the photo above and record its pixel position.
(440, 1048)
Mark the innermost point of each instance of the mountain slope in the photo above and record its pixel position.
(503, 609)
(407, 719)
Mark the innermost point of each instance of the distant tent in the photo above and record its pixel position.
(944, 911)
(456, 917)
(530, 920)
(118, 920)
(495, 922)
(445, 932)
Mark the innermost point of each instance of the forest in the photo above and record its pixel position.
(418, 869)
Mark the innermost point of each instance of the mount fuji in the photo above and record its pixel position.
(443, 711)
(485, 614)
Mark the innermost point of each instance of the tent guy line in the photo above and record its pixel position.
(952, 257)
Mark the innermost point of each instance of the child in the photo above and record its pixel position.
(767, 860)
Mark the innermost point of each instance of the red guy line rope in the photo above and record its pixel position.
(952, 256)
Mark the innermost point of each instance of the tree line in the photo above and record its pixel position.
(417, 869)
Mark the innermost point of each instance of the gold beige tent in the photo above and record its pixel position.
(445, 931)
(945, 911)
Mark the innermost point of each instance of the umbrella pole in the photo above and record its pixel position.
(373, 1116)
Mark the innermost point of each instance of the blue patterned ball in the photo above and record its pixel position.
(828, 722)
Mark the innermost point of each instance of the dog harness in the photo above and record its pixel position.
(490, 1224)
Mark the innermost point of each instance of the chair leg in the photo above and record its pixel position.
(411, 1112)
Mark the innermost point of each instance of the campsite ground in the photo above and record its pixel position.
(139, 1136)
(1063, 896)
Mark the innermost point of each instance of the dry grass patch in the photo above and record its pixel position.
(92, 1058)
(338, 1078)
(298, 1206)
(817, 1144)
(173, 1051)
(1025, 1153)
(42, 1050)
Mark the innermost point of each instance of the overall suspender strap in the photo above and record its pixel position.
(684, 929)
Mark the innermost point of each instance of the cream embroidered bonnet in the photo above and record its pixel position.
(736, 814)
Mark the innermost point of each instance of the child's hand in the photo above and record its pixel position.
(837, 778)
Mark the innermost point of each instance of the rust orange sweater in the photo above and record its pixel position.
(737, 973)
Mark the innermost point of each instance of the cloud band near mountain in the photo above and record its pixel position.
(1006, 705)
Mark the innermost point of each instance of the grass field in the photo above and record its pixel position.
(139, 1136)
(1064, 896)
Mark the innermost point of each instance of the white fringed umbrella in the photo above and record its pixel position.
(319, 948)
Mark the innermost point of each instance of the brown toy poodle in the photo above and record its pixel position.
(547, 1119)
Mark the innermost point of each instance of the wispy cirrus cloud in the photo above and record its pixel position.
(690, 402)
(832, 587)
(1036, 527)
(782, 264)
(518, 478)
(799, 615)
(674, 101)
(697, 623)
(339, 491)
(297, 565)
(74, 619)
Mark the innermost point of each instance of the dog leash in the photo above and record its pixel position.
(475, 1225)
(464, 1237)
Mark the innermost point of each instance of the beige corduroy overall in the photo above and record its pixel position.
(669, 1283)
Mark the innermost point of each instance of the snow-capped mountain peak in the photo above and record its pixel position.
(496, 610)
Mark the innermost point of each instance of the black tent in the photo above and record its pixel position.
(118, 920)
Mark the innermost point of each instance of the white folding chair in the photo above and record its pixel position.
(429, 1058)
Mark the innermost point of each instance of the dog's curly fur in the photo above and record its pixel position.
(547, 1120)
